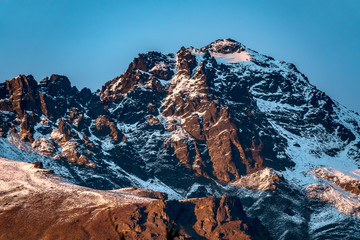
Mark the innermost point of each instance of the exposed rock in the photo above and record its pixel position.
(343, 190)
(38, 165)
(182, 152)
(44, 122)
(193, 127)
(222, 142)
(64, 129)
(4, 128)
(349, 182)
(57, 85)
(26, 132)
(199, 165)
(143, 193)
(87, 141)
(43, 146)
(342, 200)
(21, 94)
(68, 147)
(186, 62)
(43, 104)
(224, 219)
(152, 120)
(223, 46)
(106, 127)
(52, 97)
(75, 117)
(152, 108)
(227, 155)
(264, 179)
(55, 94)
(159, 65)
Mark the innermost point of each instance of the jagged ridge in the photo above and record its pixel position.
(183, 123)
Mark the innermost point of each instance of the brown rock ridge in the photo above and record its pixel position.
(63, 137)
(350, 183)
(200, 120)
(23, 93)
(106, 127)
(136, 75)
(29, 105)
(339, 188)
(20, 95)
(35, 204)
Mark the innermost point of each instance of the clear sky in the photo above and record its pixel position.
(92, 42)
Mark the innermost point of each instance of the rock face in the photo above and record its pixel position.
(106, 127)
(35, 204)
(341, 189)
(200, 122)
(37, 109)
(209, 218)
(262, 180)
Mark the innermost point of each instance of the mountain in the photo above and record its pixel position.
(219, 120)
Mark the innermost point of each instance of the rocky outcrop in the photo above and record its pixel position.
(105, 127)
(56, 94)
(68, 147)
(186, 62)
(26, 130)
(61, 210)
(208, 218)
(143, 193)
(44, 147)
(265, 179)
(76, 118)
(340, 188)
(19, 95)
(159, 68)
(349, 182)
(224, 219)
(49, 97)
(35, 107)
(346, 203)
(152, 120)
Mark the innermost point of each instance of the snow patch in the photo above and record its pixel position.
(235, 57)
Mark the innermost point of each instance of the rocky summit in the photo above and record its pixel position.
(242, 145)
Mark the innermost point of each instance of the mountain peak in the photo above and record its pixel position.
(227, 51)
(224, 46)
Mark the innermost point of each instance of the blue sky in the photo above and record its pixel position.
(91, 42)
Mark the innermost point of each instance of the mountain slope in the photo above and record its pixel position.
(36, 204)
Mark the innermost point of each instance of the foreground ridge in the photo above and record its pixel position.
(36, 204)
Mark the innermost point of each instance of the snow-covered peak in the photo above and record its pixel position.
(226, 51)
(224, 46)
